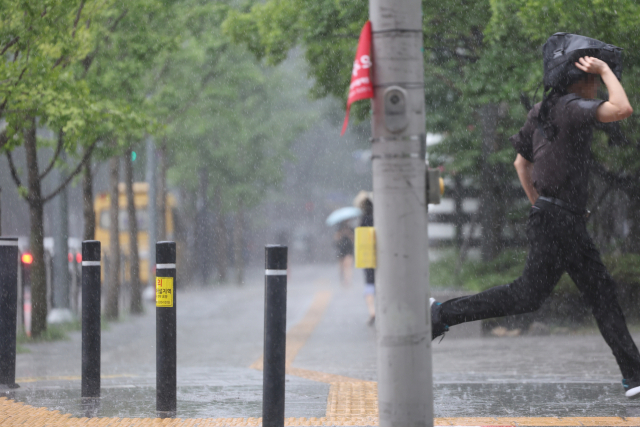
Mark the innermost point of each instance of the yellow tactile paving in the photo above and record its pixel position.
(353, 399)
(601, 421)
(17, 414)
(469, 421)
(543, 421)
(321, 377)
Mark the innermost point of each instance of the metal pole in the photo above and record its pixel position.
(8, 310)
(275, 335)
(405, 395)
(166, 329)
(91, 318)
(151, 208)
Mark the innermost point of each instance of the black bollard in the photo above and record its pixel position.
(166, 329)
(8, 310)
(275, 335)
(91, 319)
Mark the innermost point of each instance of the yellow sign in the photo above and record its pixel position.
(365, 247)
(164, 291)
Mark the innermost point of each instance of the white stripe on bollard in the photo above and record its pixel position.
(275, 272)
(161, 266)
(91, 263)
(8, 243)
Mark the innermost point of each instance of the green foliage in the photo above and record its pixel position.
(478, 276)
(624, 268)
(41, 42)
(76, 66)
(328, 30)
(22, 349)
(54, 332)
(114, 71)
(476, 53)
(225, 113)
(123, 68)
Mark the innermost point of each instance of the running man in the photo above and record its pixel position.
(553, 155)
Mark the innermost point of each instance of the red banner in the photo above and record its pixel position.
(361, 86)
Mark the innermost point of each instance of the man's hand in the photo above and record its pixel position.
(618, 106)
(592, 65)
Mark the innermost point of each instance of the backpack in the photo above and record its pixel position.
(562, 51)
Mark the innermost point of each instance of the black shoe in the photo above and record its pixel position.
(437, 327)
(632, 387)
(371, 321)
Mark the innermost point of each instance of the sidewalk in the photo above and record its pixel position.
(331, 367)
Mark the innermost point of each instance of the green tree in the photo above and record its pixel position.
(64, 59)
(482, 60)
(42, 42)
(456, 98)
(123, 68)
(327, 30)
(229, 122)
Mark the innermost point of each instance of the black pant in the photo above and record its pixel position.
(558, 242)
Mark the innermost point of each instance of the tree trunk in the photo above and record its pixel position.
(152, 212)
(134, 259)
(87, 203)
(162, 192)
(459, 213)
(61, 283)
(220, 236)
(633, 239)
(36, 215)
(188, 231)
(204, 241)
(238, 231)
(491, 205)
(113, 285)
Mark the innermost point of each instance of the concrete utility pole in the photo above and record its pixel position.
(405, 393)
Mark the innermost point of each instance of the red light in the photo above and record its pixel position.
(79, 258)
(69, 257)
(27, 258)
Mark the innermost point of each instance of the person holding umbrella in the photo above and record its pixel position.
(344, 245)
(343, 240)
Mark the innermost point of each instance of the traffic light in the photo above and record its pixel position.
(134, 156)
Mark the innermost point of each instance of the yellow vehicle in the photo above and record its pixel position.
(141, 200)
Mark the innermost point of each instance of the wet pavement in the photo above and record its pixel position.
(220, 346)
